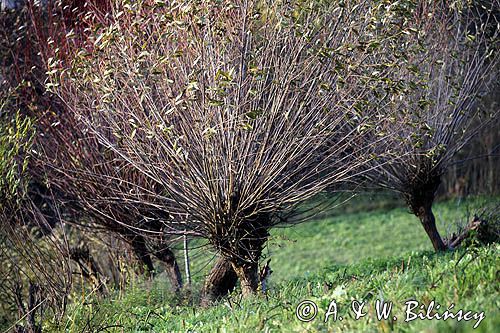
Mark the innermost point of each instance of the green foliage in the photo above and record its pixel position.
(16, 138)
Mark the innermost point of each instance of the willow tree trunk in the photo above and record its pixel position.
(243, 249)
(219, 283)
(426, 216)
(167, 257)
(248, 273)
(141, 252)
(420, 198)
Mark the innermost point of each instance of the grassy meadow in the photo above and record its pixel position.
(362, 252)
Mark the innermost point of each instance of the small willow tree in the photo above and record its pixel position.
(69, 169)
(239, 110)
(102, 193)
(450, 58)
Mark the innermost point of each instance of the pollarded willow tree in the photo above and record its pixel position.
(69, 170)
(97, 190)
(102, 193)
(239, 110)
(450, 59)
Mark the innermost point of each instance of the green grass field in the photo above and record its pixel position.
(380, 254)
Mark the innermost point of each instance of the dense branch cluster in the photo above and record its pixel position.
(236, 120)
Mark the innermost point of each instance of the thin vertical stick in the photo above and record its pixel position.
(186, 260)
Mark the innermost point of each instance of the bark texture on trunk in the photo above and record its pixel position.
(420, 199)
(138, 245)
(219, 283)
(167, 257)
(163, 254)
(241, 244)
(428, 221)
(249, 278)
